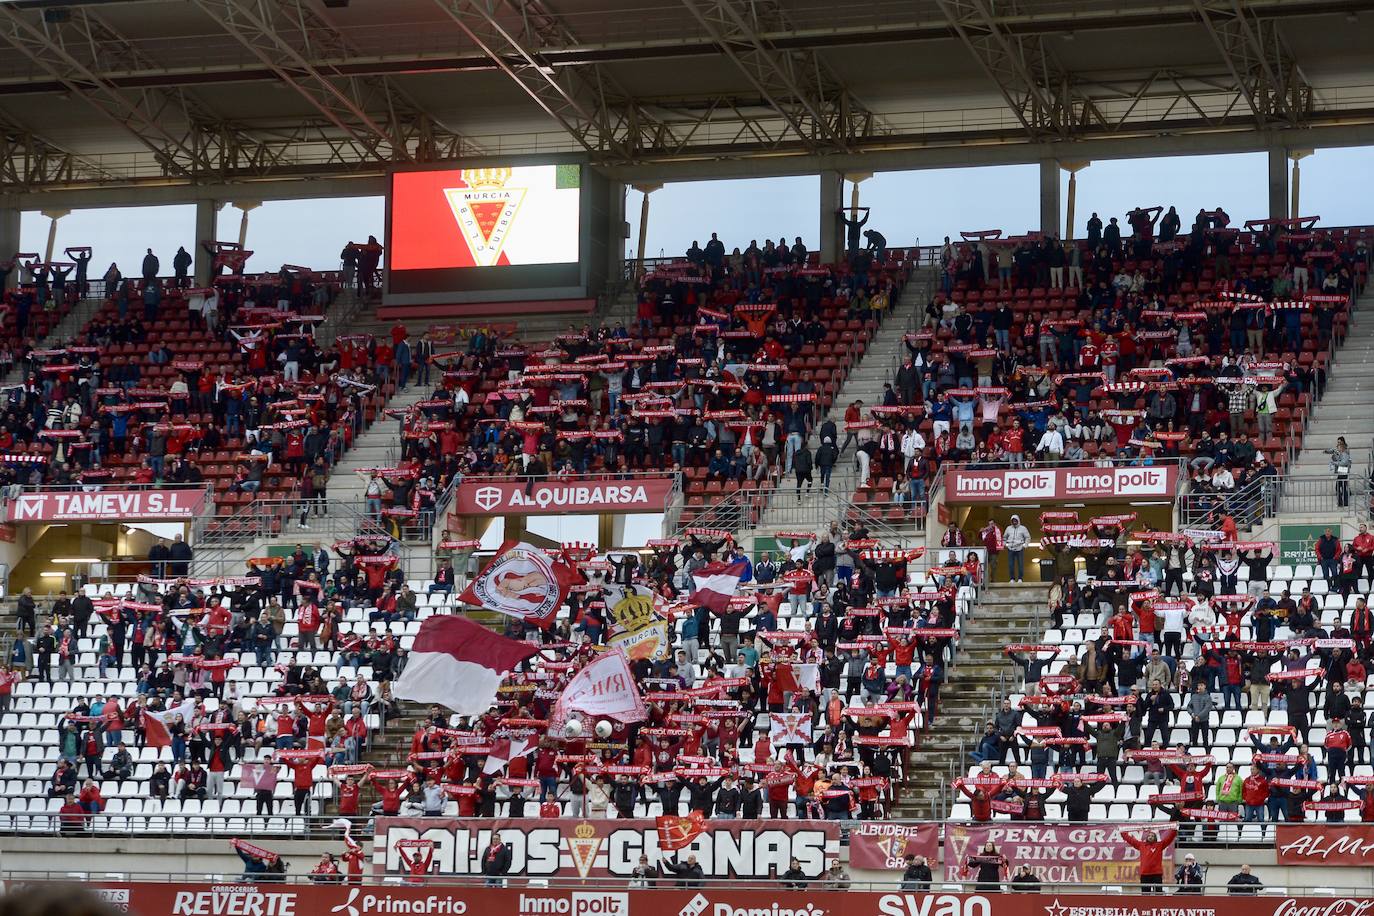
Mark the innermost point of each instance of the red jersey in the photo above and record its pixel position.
(1151, 854)
(348, 798)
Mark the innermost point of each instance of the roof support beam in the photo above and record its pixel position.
(555, 93)
(254, 23)
(796, 84)
(1037, 90)
(1253, 50)
(35, 44)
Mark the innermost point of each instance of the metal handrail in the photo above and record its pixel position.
(320, 826)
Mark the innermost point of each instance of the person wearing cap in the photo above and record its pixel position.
(1189, 876)
(1016, 538)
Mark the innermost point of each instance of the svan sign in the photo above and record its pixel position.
(1049, 484)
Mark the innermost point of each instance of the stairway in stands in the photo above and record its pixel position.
(379, 446)
(1347, 407)
(978, 680)
(59, 335)
(865, 383)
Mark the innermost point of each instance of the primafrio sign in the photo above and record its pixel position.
(107, 506)
(559, 497)
(1012, 485)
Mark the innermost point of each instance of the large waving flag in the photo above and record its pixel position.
(459, 664)
(789, 728)
(155, 731)
(715, 584)
(605, 687)
(523, 582)
(676, 833)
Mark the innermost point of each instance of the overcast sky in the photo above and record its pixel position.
(908, 207)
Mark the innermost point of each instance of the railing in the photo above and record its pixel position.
(747, 509)
(264, 519)
(1248, 505)
(1221, 835)
(1266, 497)
(1038, 895)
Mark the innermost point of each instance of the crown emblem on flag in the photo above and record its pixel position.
(486, 178)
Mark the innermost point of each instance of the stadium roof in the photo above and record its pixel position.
(179, 92)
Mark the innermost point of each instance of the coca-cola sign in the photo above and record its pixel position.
(1020, 485)
(561, 497)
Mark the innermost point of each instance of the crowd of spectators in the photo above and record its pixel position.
(727, 367)
(1192, 677)
(1205, 347)
(170, 384)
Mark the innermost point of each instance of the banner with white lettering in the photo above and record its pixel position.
(107, 505)
(560, 497)
(1325, 844)
(1043, 484)
(1059, 853)
(569, 848)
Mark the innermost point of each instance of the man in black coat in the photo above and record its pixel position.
(158, 555)
(496, 861)
(82, 609)
(689, 873)
(180, 554)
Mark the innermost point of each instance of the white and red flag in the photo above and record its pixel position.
(715, 584)
(789, 728)
(605, 688)
(155, 730)
(523, 582)
(459, 664)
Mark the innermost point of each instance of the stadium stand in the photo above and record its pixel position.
(1138, 350)
(836, 654)
(169, 384)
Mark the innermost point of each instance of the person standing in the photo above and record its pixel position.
(1340, 469)
(496, 862)
(1151, 847)
(1016, 538)
(26, 611)
(151, 265)
(181, 266)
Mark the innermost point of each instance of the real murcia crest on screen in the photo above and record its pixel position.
(485, 210)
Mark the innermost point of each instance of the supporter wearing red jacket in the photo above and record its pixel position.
(308, 625)
(1123, 625)
(354, 857)
(1254, 793)
(1363, 548)
(391, 791)
(546, 771)
(303, 781)
(1337, 744)
(980, 791)
(349, 790)
(1151, 846)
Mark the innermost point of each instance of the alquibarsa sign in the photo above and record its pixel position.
(1013, 485)
(560, 497)
(107, 506)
